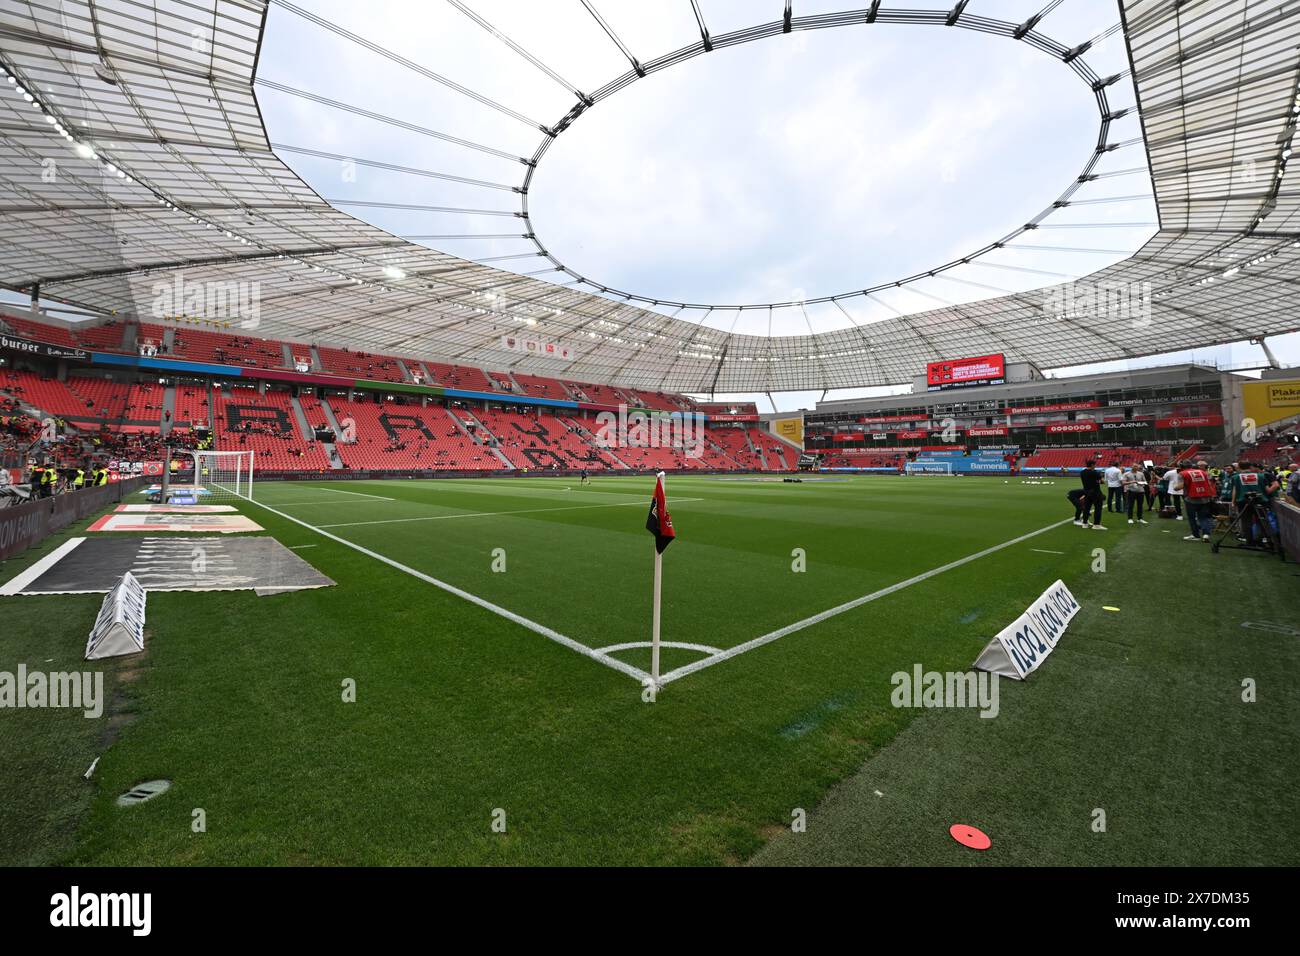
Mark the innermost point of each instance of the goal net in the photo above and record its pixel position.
(929, 468)
(215, 475)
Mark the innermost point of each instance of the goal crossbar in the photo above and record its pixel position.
(223, 474)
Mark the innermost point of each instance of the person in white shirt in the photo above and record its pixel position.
(1114, 489)
(1134, 481)
(1173, 480)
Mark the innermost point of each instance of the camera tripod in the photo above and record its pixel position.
(1251, 516)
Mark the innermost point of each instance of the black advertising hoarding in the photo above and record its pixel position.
(40, 348)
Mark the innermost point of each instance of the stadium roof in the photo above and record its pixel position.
(133, 148)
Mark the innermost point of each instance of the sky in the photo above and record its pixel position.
(800, 165)
(797, 166)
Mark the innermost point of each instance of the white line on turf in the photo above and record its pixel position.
(331, 502)
(847, 606)
(1045, 551)
(493, 514)
(634, 672)
(40, 567)
(340, 491)
(702, 648)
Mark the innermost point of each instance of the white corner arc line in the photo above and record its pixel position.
(847, 606)
(494, 514)
(634, 672)
(681, 645)
(16, 585)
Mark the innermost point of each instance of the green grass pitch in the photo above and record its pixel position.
(461, 712)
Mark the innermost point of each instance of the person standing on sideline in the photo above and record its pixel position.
(1114, 488)
(1198, 489)
(1091, 499)
(1134, 480)
(1174, 489)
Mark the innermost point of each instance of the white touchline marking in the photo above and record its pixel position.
(340, 491)
(298, 504)
(848, 606)
(299, 547)
(635, 673)
(16, 585)
(1045, 551)
(493, 514)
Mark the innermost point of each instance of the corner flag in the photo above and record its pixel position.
(659, 523)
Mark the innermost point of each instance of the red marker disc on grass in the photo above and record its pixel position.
(970, 836)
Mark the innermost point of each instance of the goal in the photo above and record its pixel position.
(929, 468)
(218, 475)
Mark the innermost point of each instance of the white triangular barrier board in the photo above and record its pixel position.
(1021, 647)
(119, 629)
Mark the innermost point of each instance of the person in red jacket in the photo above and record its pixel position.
(1198, 494)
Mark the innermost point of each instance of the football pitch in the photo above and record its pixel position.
(496, 634)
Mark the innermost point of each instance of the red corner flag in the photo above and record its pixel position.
(660, 523)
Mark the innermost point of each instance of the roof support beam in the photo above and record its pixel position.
(1025, 28)
(521, 51)
(704, 30)
(411, 65)
(956, 13)
(595, 15)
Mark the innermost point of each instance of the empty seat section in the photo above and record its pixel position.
(537, 387)
(460, 376)
(265, 425)
(391, 435)
(217, 348)
(360, 365)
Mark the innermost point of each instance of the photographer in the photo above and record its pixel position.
(1252, 492)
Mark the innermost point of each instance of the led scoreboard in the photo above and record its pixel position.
(959, 373)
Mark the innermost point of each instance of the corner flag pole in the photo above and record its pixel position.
(654, 645)
(660, 524)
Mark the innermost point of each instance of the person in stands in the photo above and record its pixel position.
(1134, 481)
(1091, 499)
(1198, 490)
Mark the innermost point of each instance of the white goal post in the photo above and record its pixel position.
(221, 474)
(929, 468)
